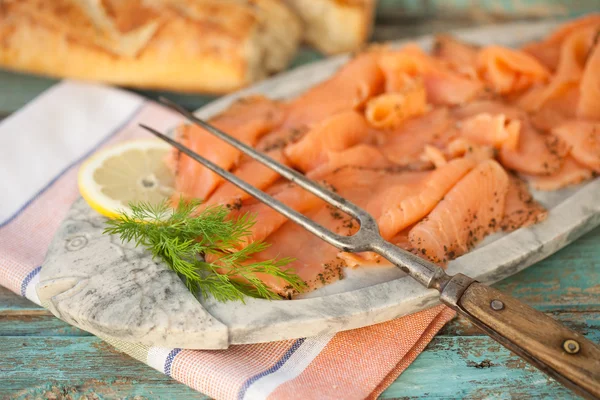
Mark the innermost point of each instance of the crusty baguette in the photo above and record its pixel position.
(335, 26)
(213, 46)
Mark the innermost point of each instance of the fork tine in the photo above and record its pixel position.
(339, 241)
(288, 173)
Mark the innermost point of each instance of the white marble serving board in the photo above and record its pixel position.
(94, 282)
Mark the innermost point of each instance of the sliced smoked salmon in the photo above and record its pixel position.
(571, 173)
(458, 55)
(405, 145)
(547, 51)
(573, 57)
(589, 102)
(506, 70)
(359, 156)
(493, 130)
(465, 148)
(556, 110)
(251, 171)
(435, 146)
(315, 261)
(402, 205)
(520, 209)
(535, 153)
(335, 133)
(583, 139)
(390, 110)
(270, 220)
(246, 120)
(443, 86)
(462, 219)
(349, 89)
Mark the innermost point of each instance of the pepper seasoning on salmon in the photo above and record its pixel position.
(335, 133)
(462, 219)
(246, 120)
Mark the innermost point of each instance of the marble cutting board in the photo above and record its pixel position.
(94, 282)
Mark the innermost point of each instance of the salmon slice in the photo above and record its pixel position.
(352, 182)
(492, 107)
(349, 89)
(520, 209)
(246, 120)
(315, 261)
(402, 205)
(270, 220)
(547, 51)
(405, 145)
(461, 219)
(571, 173)
(493, 130)
(335, 133)
(435, 156)
(506, 70)
(252, 172)
(359, 156)
(536, 153)
(464, 148)
(390, 110)
(583, 138)
(458, 55)
(360, 186)
(557, 110)
(321, 265)
(573, 55)
(589, 102)
(443, 86)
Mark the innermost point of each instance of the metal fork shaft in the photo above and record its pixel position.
(281, 169)
(336, 240)
(426, 273)
(367, 238)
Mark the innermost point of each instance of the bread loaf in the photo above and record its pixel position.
(213, 46)
(335, 26)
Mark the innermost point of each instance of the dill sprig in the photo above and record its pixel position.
(183, 236)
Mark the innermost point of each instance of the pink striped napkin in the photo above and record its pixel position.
(41, 147)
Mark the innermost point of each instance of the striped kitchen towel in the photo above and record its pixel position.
(41, 147)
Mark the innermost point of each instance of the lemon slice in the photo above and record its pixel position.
(132, 171)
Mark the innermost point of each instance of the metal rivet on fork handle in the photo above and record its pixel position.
(496, 305)
(571, 346)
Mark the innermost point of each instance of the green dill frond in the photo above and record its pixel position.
(183, 235)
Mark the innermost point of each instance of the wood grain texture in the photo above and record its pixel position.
(535, 336)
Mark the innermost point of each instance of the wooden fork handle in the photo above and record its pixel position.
(558, 351)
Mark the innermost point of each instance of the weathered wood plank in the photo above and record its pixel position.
(473, 368)
(37, 368)
(451, 367)
(567, 280)
(580, 321)
(37, 325)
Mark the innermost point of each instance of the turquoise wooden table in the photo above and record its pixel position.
(44, 358)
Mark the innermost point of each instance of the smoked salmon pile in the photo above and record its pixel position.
(441, 148)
